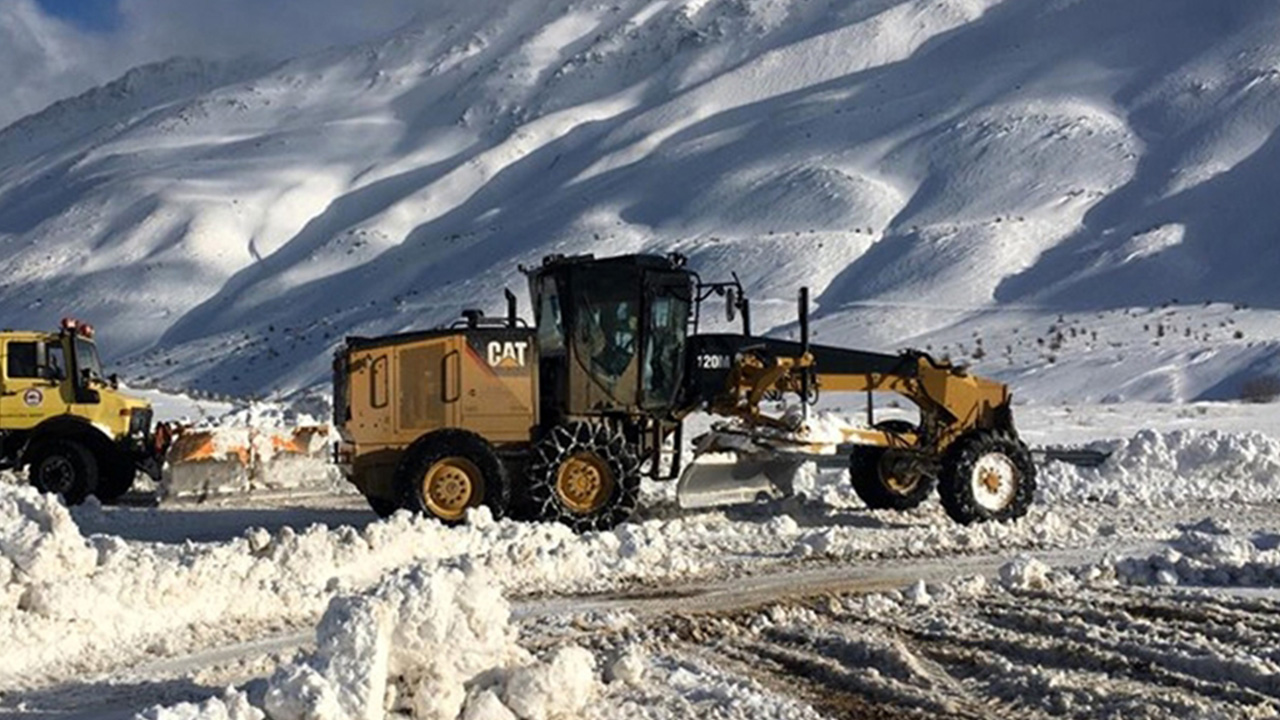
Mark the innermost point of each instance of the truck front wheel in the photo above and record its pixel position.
(64, 467)
(116, 479)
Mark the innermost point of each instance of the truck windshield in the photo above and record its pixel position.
(87, 358)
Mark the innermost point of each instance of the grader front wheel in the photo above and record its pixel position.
(888, 478)
(884, 480)
(987, 475)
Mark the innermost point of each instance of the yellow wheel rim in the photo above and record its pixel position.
(450, 486)
(584, 483)
(894, 483)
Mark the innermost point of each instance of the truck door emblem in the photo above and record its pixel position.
(32, 397)
(507, 354)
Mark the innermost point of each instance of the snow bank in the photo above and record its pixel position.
(233, 705)
(39, 540)
(1209, 554)
(1161, 468)
(430, 643)
(126, 599)
(263, 415)
(937, 534)
(410, 644)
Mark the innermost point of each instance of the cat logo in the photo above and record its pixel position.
(507, 354)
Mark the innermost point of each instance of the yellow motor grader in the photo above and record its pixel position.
(560, 420)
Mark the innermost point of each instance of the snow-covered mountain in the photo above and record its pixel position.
(1045, 179)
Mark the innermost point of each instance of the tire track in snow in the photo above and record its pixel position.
(155, 681)
(1083, 653)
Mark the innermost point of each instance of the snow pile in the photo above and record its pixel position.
(434, 644)
(128, 598)
(39, 542)
(263, 415)
(233, 705)
(691, 687)
(1161, 468)
(1025, 573)
(1209, 554)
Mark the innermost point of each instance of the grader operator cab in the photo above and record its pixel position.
(66, 421)
(560, 420)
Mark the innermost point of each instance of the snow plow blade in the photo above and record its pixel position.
(733, 465)
(728, 478)
(239, 460)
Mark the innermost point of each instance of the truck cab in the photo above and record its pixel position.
(66, 421)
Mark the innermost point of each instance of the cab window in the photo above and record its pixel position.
(57, 366)
(22, 360)
(550, 324)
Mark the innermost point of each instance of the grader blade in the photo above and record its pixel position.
(735, 465)
(731, 478)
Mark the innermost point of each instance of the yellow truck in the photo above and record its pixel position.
(67, 422)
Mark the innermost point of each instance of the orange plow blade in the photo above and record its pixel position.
(205, 462)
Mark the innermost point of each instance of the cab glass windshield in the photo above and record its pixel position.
(87, 358)
(668, 319)
(606, 330)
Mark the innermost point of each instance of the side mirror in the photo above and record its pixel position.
(730, 305)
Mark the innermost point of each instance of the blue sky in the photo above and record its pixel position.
(87, 14)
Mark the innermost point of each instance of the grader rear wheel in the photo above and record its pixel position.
(584, 483)
(450, 486)
(585, 475)
(447, 472)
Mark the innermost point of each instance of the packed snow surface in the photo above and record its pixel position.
(414, 615)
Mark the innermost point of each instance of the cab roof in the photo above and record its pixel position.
(26, 335)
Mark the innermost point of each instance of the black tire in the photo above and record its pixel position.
(64, 467)
(460, 454)
(383, 507)
(874, 483)
(115, 479)
(995, 459)
(603, 452)
(896, 426)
